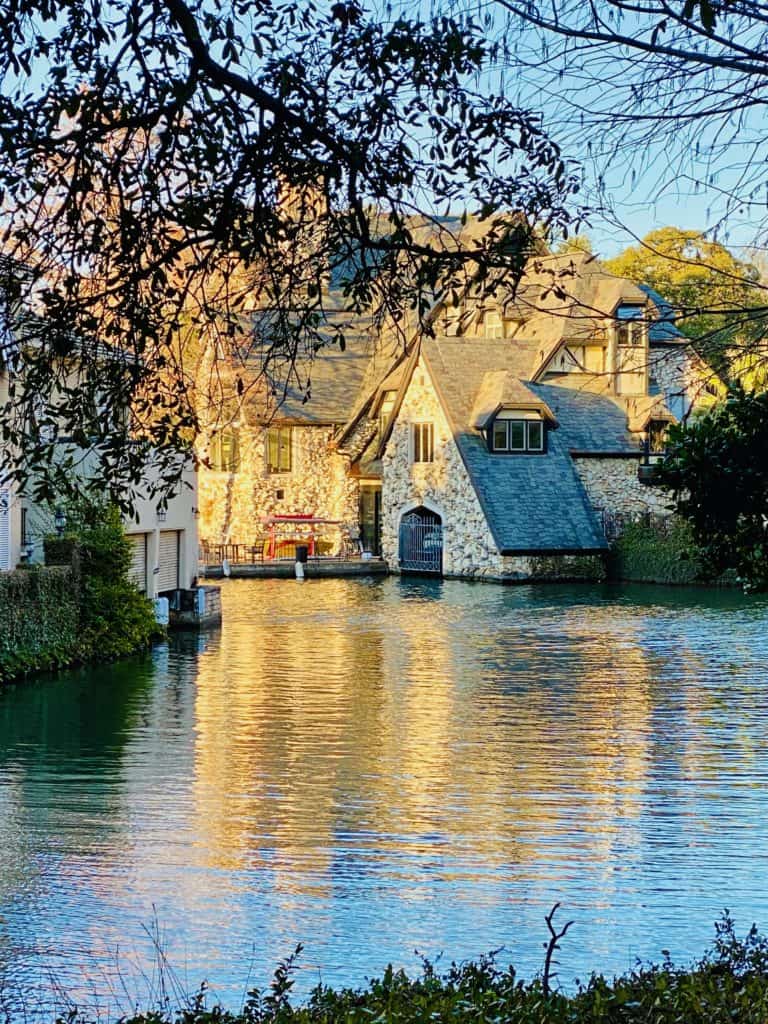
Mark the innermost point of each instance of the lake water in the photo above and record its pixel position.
(377, 767)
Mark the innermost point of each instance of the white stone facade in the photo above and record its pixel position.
(612, 485)
(680, 376)
(232, 503)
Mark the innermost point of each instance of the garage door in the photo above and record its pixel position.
(168, 577)
(5, 529)
(138, 570)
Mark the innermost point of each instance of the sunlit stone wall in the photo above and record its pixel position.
(231, 504)
(612, 484)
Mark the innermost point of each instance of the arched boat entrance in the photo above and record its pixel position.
(421, 541)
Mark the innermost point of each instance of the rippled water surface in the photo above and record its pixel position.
(373, 768)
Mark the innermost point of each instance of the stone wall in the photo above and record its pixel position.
(612, 484)
(443, 486)
(679, 371)
(231, 503)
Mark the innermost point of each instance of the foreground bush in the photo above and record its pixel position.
(730, 984)
(39, 619)
(115, 619)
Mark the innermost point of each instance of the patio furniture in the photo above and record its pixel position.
(307, 520)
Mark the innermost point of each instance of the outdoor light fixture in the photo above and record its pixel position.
(60, 521)
(162, 515)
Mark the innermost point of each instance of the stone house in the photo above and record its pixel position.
(487, 449)
(279, 456)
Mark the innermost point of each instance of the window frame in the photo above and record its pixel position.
(630, 325)
(421, 431)
(216, 457)
(526, 424)
(278, 432)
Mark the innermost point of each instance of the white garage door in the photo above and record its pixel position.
(168, 577)
(5, 529)
(138, 569)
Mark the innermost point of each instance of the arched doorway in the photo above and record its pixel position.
(421, 541)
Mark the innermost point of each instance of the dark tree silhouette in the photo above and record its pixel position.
(167, 170)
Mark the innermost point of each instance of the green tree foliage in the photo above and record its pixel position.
(166, 163)
(575, 243)
(718, 300)
(717, 470)
(115, 619)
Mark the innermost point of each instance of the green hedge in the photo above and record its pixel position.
(646, 554)
(39, 619)
(81, 607)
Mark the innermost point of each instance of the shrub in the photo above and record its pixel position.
(39, 619)
(115, 619)
(729, 984)
(650, 555)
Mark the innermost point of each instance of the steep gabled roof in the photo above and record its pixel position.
(533, 503)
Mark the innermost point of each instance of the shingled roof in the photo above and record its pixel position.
(533, 503)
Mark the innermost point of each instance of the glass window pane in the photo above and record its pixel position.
(535, 435)
(517, 435)
(499, 443)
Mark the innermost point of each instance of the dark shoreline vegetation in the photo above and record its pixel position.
(729, 984)
(80, 608)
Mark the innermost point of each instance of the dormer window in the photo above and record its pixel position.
(517, 431)
(630, 326)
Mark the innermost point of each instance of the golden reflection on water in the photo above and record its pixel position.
(402, 729)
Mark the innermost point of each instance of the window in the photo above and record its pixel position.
(225, 452)
(630, 327)
(387, 405)
(279, 449)
(423, 442)
(524, 435)
(657, 436)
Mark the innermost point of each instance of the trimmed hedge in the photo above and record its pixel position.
(39, 619)
(81, 607)
(645, 554)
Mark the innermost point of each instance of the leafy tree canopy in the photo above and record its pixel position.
(165, 165)
(717, 470)
(718, 299)
(575, 243)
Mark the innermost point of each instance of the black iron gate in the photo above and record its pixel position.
(421, 542)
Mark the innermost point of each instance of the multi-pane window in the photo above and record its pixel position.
(510, 435)
(279, 447)
(630, 326)
(423, 442)
(225, 451)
